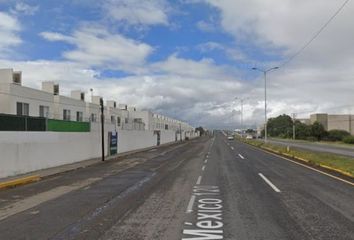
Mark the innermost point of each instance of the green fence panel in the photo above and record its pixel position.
(67, 126)
(21, 123)
(36, 124)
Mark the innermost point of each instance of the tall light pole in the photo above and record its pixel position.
(265, 97)
(241, 100)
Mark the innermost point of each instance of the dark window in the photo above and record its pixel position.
(79, 116)
(66, 114)
(44, 111)
(22, 109)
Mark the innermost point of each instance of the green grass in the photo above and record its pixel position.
(334, 161)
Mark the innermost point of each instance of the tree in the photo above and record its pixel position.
(201, 130)
(250, 131)
(337, 135)
(303, 131)
(318, 131)
(280, 126)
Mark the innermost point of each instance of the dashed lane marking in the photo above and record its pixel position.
(190, 204)
(232, 148)
(206, 160)
(199, 180)
(269, 182)
(203, 168)
(241, 156)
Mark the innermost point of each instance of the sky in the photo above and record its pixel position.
(187, 59)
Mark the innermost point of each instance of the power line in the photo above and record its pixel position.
(316, 34)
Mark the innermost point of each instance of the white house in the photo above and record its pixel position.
(21, 100)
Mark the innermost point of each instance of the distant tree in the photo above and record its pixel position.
(318, 131)
(250, 131)
(302, 131)
(201, 130)
(337, 135)
(280, 126)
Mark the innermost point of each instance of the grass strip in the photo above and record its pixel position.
(338, 163)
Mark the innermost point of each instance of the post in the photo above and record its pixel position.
(180, 132)
(242, 117)
(102, 128)
(265, 107)
(294, 133)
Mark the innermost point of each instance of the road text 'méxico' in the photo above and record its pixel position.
(209, 223)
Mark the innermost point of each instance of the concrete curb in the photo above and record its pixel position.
(306, 161)
(19, 181)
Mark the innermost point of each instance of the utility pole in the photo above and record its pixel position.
(180, 132)
(294, 133)
(102, 127)
(265, 97)
(242, 101)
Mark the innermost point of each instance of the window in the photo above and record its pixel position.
(66, 115)
(126, 120)
(166, 127)
(113, 119)
(118, 121)
(22, 109)
(79, 116)
(93, 117)
(44, 111)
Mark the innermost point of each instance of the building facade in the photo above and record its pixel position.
(17, 99)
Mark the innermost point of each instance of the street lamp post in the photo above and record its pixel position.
(265, 97)
(241, 100)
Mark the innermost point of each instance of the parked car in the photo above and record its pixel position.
(230, 137)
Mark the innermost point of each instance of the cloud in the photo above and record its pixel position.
(9, 33)
(95, 46)
(136, 12)
(25, 9)
(205, 26)
(231, 52)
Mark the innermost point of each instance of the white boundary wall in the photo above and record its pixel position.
(23, 152)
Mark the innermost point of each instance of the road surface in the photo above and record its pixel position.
(207, 188)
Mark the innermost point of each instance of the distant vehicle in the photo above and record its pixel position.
(249, 137)
(230, 137)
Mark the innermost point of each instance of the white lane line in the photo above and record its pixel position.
(232, 148)
(190, 204)
(199, 180)
(241, 156)
(188, 223)
(269, 182)
(206, 160)
(203, 168)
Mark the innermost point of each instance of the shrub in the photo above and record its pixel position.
(349, 139)
(337, 135)
(312, 139)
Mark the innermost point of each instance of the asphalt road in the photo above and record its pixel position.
(207, 188)
(317, 147)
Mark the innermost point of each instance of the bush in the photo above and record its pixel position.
(312, 139)
(337, 135)
(349, 139)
